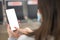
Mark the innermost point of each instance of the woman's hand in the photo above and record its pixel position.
(15, 34)
(25, 30)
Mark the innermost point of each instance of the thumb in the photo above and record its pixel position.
(16, 28)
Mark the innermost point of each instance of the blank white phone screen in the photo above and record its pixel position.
(12, 18)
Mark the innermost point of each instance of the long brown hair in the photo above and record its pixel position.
(50, 10)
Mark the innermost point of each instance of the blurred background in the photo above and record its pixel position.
(26, 11)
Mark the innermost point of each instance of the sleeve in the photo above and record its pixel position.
(12, 38)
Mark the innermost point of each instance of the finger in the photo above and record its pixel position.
(16, 28)
(6, 25)
(24, 31)
(8, 28)
(28, 30)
